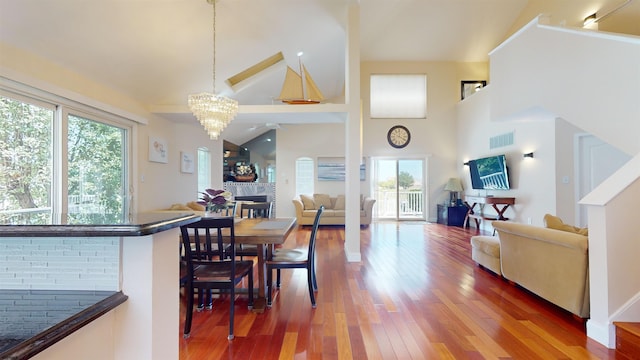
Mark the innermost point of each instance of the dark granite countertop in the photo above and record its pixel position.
(70, 225)
(33, 320)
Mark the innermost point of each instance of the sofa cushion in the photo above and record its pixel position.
(307, 202)
(322, 199)
(340, 203)
(554, 222)
(195, 206)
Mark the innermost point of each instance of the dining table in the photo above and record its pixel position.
(264, 233)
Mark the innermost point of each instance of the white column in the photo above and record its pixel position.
(146, 325)
(353, 136)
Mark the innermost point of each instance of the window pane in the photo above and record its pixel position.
(25, 161)
(96, 169)
(396, 96)
(204, 174)
(304, 176)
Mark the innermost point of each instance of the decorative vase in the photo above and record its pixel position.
(244, 178)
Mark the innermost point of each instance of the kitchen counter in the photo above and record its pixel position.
(35, 321)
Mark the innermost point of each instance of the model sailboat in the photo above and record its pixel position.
(293, 89)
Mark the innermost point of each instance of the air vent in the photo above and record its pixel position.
(502, 140)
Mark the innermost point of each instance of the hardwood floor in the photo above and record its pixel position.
(416, 295)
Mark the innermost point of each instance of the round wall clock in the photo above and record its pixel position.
(398, 136)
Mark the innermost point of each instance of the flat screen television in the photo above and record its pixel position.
(489, 173)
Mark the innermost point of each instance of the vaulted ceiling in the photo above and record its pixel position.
(160, 51)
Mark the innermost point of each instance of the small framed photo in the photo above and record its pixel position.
(158, 150)
(186, 162)
(470, 87)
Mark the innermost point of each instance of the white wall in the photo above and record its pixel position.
(313, 141)
(532, 180)
(160, 185)
(585, 77)
(434, 137)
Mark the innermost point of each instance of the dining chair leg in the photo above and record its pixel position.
(189, 291)
(269, 285)
(278, 278)
(231, 311)
(313, 272)
(310, 283)
(250, 278)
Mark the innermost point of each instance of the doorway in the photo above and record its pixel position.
(399, 189)
(597, 160)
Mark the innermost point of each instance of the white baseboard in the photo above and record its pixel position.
(605, 334)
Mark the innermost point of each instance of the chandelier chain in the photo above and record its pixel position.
(214, 46)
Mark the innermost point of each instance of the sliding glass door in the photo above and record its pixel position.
(399, 188)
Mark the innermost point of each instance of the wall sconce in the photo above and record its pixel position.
(466, 163)
(528, 155)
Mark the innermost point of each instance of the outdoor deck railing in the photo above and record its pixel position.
(411, 204)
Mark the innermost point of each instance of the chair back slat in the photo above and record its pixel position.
(256, 209)
(203, 241)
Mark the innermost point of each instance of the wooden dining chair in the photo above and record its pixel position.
(256, 209)
(209, 267)
(296, 259)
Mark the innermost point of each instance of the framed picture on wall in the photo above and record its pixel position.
(158, 150)
(333, 169)
(187, 163)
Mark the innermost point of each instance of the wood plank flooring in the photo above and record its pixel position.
(416, 295)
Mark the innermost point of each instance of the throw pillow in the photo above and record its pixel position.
(554, 222)
(340, 203)
(179, 207)
(322, 199)
(195, 206)
(307, 202)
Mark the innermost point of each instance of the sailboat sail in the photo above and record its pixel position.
(293, 88)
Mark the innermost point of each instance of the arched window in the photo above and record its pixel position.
(204, 170)
(304, 175)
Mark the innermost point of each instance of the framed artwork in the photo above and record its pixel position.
(158, 150)
(187, 163)
(470, 87)
(333, 169)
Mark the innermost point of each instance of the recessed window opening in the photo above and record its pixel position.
(398, 96)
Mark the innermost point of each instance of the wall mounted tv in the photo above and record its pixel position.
(489, 173)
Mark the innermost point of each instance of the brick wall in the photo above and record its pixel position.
(90, 263)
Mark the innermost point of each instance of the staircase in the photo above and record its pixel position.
(628, 339)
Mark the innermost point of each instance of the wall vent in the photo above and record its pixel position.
(501, 140)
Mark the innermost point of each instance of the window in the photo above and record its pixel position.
(56, 158)
(95, 168)
(204, 170)
(398, 96)
(304, 176)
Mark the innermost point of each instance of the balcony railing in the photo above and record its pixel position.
(411, 204)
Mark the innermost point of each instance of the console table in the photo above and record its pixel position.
(499, 204)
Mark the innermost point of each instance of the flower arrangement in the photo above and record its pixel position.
(244, 170)
(215, 200)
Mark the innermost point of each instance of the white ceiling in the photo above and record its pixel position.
(159, 51)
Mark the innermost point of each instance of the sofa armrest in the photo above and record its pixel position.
(367, 208)
(297, 203)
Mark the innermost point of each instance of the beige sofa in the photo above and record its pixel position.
(553, 264)
(334, 209)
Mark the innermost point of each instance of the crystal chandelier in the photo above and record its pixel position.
(213, 111)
